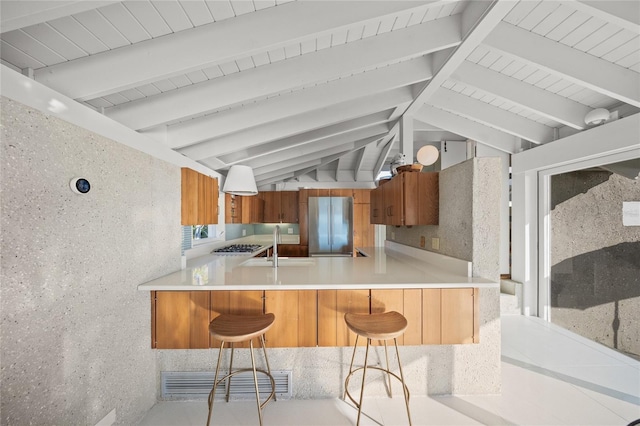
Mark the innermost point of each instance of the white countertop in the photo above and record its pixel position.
(383, 269)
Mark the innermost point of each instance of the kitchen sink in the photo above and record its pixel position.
(282, 262)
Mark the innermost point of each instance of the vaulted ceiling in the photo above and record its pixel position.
(306, 91)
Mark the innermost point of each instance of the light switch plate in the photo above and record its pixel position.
(435, 243)
(289, 230)
(244, 232)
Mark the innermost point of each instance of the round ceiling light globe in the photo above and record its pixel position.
(427, 155)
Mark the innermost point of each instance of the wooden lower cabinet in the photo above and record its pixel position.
(180, 319)
(296, 318)
(306, 318)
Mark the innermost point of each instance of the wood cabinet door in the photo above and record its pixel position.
(362, 196)
(459, 316)
(406, 301)
(181, 319)
(428, 198)
(411, 197)
(376, 211)
(332, 305)
(233, 208)
(431, 316)
(237, 302)
(271, 206)
(295, 324)
(393, 201)
(350, 301)
(289, 206)
(189, 202)
(363, 230)
(303, 220)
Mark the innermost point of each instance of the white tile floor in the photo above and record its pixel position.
(550, 376)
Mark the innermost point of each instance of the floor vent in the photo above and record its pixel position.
(198, 384)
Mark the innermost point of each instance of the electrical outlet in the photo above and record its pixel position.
(422, 241)
(435, 243)
(244, 232)
(289, 230)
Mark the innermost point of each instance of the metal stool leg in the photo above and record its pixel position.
(255, 381)
(266, 360)
(215, 384)
(386, 355)
(353, 355)
(405, 389)
(364, 376)
(233, 349)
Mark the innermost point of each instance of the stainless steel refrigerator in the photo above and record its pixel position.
(330, 226)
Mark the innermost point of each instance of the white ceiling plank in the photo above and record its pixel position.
(19, 14)
(298, 124)
(624, 14)
(359, 163)
(468, 128)
(383, 155)
(491, 116)
(274, 179)
(248, 34)
(480, 20)
(318, 155)
(540, 101)
(355, 129)
(300, 102)
(322, 149)
(286, 168)
(581, 68)
(173, 14)
(300, 71)
(306, 147)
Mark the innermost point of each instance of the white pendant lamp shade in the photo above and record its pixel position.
(427, 155)
(240, 181)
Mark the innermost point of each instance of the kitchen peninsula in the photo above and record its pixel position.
(311, 295)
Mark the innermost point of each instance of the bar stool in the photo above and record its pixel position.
(240, 328)
(379, 326)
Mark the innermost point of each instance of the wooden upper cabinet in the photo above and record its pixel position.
(280, 206)
(377, 206)
(199, 198)
(252, 209)
(362, 196)
(232, 208)
(410, 198)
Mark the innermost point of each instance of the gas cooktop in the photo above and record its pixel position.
(237, 249)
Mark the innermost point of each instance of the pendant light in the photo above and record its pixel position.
(240, 181)
(427, 155)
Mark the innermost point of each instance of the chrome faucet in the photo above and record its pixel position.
(276, 239)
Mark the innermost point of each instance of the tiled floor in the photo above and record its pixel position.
(549, 377)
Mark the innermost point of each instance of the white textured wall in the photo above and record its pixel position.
(75, 331)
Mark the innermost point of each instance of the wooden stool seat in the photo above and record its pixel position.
(239, 328)
(387, 325)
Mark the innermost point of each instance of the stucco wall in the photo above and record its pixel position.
(469, 229)
(595, 272)
(75, 330)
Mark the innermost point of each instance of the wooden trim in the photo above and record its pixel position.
(153, 319)
(476, 315)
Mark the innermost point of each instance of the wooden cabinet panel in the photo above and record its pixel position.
(252, 208)
(431, 322)
(350, 301)
(280, 206)
(327, 317)
(457, 316)
(289, 206)
(377, 206)
(406, 301)
(295, 324)
(363, 230)
(199, 204)
(428, 199)
(362, 196)
(237, 302)
(394, 201)
(232, 208)
(291, 250)
(303, 220)
(341, 192)
(182, 319)
(189, 205)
